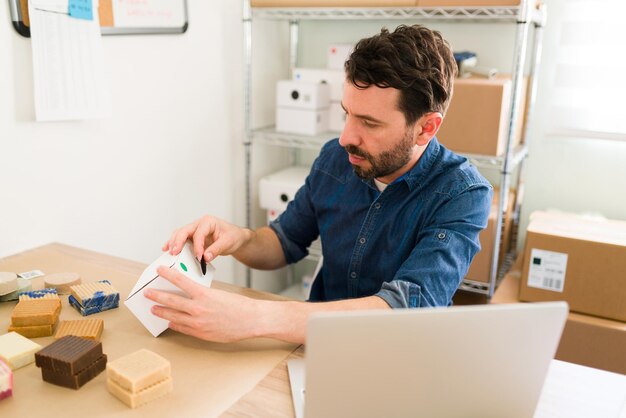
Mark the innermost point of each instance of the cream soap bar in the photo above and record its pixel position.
(8, 282)
(138, 370)
(6, 380)
(17, 351)
(142, 397)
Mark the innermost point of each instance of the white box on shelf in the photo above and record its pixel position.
(302, 94)
(301, 121)
(276, 190)
(338, 54)
(334, 78)
(336, 117)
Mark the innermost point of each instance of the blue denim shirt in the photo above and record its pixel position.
(411, 245)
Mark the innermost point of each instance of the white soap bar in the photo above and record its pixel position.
(8, 282)
(16, 350)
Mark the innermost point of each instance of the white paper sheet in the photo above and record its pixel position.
(68, 63)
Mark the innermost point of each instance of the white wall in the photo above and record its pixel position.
(121, 186)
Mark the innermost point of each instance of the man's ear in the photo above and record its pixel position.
(426, 127)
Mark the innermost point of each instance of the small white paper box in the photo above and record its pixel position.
(186, 263)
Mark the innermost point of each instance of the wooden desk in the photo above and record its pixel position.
(208, 377)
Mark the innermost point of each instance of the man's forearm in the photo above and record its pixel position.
(287, 321)
(262, 250)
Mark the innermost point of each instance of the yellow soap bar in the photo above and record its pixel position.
(17, 351)
(36, 312)
(142, 397)
(33, 331)
(138, 370)
(84, 328)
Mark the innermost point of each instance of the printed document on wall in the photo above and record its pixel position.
(70, 80)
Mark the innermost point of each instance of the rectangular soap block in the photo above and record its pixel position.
(17, 351)
(101, 294)
(84, 328)
(6, 380)
(36, 312)
(149, 394)
(23, 285)
(33, 331)
(39, 294)
(111, 304)
(136, 371)
(75, 381)
(69, 354)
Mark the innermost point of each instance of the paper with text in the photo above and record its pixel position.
(70, 81)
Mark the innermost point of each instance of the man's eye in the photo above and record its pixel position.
(368, 123)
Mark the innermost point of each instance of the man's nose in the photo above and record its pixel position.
(349, 135)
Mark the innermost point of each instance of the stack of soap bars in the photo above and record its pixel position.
(139, 377)
(90, 298)
(6, 380)
(36, 313)
(71, 361)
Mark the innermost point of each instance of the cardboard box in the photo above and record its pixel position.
(302, 95)
(278, 189)
(586, 340)
(332, 3)
(301, 121)
(477, 119)
(186, 263)
(337, 55)
(466, 3)
(337, 117)
(481, 264)
(334, 78)
(576, 259)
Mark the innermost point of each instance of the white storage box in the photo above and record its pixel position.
(334, 78)
(338, 54)
(278, 189)
(302, 95)
(301, 121)
(336, 118)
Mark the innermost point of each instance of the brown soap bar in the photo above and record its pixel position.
(75, 381)
(33, 331)
(36, 312)
(69, 355)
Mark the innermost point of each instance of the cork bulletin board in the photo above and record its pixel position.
(119, 17)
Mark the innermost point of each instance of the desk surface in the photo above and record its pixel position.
(208, 377)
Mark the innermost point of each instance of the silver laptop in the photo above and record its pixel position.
(469, 361)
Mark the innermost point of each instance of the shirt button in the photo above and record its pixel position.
(377, 206)
(441, 235)
(353, 275)
(362, 240)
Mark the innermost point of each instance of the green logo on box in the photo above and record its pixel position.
(184, 267)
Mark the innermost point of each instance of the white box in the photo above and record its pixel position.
(276, 190)
(336, 117)
(302, 95)
(186, 263)
(338, 54)
(301, 121)
(334, 78)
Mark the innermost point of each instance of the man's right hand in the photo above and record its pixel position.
(211, 237)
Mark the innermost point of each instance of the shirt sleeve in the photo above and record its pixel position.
(442, 254)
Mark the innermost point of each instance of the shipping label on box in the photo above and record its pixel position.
(546, 270)
(187, 264)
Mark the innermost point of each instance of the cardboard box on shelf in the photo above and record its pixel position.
(302, 121)
(302, 94)
(577, 259)
(586, 340)
(276, 190)
(477, 119)
(334, 78)
(481, 264)
(466, 3)
(332, 3)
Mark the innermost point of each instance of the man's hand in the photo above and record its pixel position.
(211, 237)
(208, 314)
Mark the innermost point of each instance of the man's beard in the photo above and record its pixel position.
(387, 162)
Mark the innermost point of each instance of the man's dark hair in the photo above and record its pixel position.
(413, 59)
